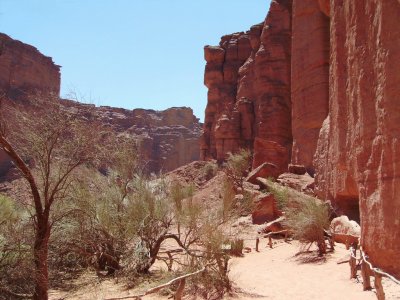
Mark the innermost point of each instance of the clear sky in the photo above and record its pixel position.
(130, 53)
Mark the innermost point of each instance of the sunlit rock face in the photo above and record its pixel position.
(24, 70)
(167, 139)
(358, 157)
(319, 89)
(248, 76)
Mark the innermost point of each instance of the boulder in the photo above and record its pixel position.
(265, 209)
(265, 170)
(345, 231)
(297, 169)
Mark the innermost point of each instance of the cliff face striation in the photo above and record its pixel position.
(169, 138)
(320, 89)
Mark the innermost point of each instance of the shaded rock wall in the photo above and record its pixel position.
(23, 69)
(358, 160)
(310, 79)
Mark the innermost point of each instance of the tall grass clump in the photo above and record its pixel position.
(307, 218)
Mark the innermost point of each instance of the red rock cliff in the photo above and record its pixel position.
(170, 138)
(23, 69)
(337, 115)
(249, 106)
(310, 79)
(358, 157)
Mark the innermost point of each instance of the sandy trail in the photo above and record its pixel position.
(278, 274)
(269, 274)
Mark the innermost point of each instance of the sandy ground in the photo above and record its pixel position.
(278, 274)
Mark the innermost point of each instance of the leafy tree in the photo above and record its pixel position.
(47, 144)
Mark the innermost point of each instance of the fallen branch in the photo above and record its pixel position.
(16, 295)
(160, 287)
(276, 232)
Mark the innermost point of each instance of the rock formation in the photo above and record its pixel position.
(248, 77)
(24, 70)
(358, 157)
(168, 139)
(333, 111)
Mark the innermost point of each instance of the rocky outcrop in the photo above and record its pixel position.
(24, 70)
(248, 77)
(168, 139)
(337, 117)
(358, 157)
(222, 125)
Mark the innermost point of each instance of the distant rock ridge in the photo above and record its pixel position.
(169, 138)
(317, 86)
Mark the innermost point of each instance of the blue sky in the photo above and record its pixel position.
(130, 53)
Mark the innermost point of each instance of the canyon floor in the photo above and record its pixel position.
(278, 273)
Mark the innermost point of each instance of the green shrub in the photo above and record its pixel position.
(237, 166)
(307, 218)
(210, 170)
(281, 194)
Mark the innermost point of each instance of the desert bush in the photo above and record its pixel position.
(246, 204)
(281, 193)
(307, 218)
(237, 246)
(214, 282)
(228, 197)
(210, 170)
(16, 260)
(237, 166)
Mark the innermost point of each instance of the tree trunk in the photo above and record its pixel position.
(40, 252)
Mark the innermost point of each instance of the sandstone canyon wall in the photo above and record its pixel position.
(169, 138)
(248, 77)
(23, 70)
(337, 116)
(358, 161)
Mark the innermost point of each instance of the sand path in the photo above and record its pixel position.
(278, 274)
(269, 274)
